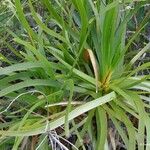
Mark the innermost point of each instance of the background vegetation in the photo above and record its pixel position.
(74, 74)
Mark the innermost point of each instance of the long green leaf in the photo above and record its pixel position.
(60, 121)
(28, 83)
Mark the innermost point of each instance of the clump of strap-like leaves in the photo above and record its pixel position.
(70, 76)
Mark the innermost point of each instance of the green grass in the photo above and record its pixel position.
(74, 73)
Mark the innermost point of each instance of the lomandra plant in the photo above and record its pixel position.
(71, 78)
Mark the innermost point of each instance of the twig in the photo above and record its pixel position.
(53, 138)
(64, 104)
(68, 142)
(5, 110)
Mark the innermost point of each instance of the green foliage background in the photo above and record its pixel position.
(72, 65)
